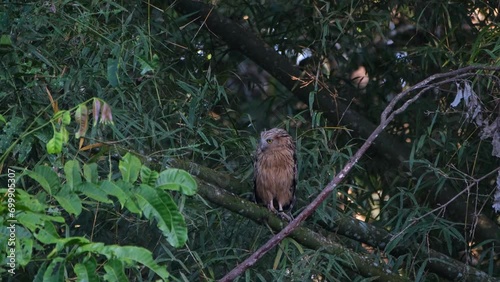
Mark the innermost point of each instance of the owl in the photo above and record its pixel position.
(275, 172)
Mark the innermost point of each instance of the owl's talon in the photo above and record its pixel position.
(285, 216)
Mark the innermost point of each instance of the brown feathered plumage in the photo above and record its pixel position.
(275, 171)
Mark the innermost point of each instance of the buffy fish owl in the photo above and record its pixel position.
(275, 172)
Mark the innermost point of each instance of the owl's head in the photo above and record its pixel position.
(275, 138)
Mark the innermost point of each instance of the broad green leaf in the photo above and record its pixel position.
(90, 173)
(130, 167)
(47, 234)
(86, 272)
(159, 205)
(24, 250)
(148, 176)
(46, 177)
(177, 180)
(33, 220)
(73, 177)
(67, 242)
(121, 191)
(69, 201)
(114, 271)
(93, 191)
(54, 146)
(126, 254)
(26, 201)
(55, 270)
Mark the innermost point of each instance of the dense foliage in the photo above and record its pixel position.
(104, 102)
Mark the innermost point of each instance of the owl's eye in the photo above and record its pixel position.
(269, 141)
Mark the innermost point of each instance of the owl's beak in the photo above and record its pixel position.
(262, 144)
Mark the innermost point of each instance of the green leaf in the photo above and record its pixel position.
(27, 202)
(55, 270)
(73, 177)
(126, 254)
(54, 146)
(158, 204)
(86, 272)
(69, 201)
(177, 180)
(90, 172)
(93, 191)
(65, 134)
(148, 176)
(113, 72)
(114, 271)
(5, 40)
(32, 220)
(46, 177)
(66, 118)
(63, 243)
(41, 271)
(47, 234)
(121, 191)
(130, 167)
(148, 66)
(24, 250)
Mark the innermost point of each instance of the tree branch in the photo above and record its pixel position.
(213, 186)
